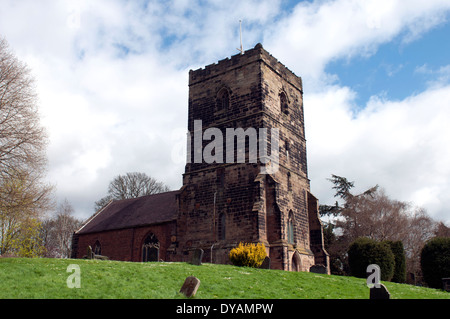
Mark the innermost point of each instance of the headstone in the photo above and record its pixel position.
(379, 293)
(266, 263)
(90, 254)
(190, 286)
(197, 257)
(446, 284)
(318, 269)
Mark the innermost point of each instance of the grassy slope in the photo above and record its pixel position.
(46, 278)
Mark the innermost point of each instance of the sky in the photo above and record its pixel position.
(112, 80)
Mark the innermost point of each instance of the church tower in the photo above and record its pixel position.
(246, 176)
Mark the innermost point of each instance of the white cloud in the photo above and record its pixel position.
(440, 76)
(399, 145)
(321, 31)
(112, 80)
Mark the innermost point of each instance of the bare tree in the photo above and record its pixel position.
(442, 230)
(131, 185)
(57, 231)
(420, 228)
(23, 194)
(22, 138)
(373, 214)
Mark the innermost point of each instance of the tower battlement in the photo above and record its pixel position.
(258, 53)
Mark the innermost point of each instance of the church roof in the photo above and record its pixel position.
(133, 212)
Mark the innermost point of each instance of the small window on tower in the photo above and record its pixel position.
(223, 99)
(289, 182)
(290, 228)
(284, 106)
(286, 146)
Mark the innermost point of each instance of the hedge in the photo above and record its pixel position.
(365, 251)
(400, 261)
(435, 261)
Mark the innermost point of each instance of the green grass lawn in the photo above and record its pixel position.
(47, 278)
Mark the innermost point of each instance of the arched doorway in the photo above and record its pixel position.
(296, 262)
(150, 248)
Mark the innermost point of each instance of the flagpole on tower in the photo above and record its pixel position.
(240, 35)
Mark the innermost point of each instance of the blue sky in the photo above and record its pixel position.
(112, 81)
(394, 70)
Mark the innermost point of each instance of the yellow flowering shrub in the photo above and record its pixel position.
(249, 255)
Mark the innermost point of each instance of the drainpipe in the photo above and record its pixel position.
(214, 227)
(212, 252)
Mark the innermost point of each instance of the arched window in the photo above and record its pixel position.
(284, 106)
(223, 99)
(290, 228)
(221, 227)
(97, 248)
(150, 248)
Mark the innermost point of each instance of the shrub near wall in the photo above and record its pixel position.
(435, 261)
(249, 255)
(365, 251)
(400, 261)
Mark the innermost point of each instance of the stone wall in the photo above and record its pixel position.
(257, 207)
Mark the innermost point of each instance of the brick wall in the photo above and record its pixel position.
(126, 244)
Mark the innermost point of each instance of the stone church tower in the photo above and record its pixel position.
(245, 180)
(227, 201)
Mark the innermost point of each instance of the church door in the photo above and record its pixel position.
(150, 248)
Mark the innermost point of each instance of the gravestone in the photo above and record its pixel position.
(379, 293)
(318, 269)
(446, 284)
(266, 263)
(90, 253)
(190, 286)
(197, 257)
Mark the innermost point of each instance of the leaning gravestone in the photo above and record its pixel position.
(190, 286)
(318, 269)
(266, 263)
(379, 293)
(197, 257)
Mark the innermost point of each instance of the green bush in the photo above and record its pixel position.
(249, 255)
(400, 261)
(435, 261)
(365, 251)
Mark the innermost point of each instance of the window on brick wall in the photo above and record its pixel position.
(150, 248)
(97, 248)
